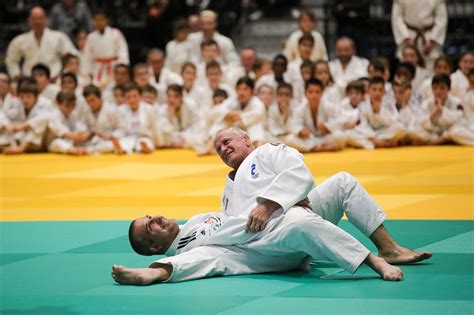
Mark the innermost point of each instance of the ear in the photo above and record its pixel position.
(155, 249)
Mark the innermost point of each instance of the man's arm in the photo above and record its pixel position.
(291, 184)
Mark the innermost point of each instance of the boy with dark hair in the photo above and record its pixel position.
(379, 117)
(41, 74)
(135, 123)
(25, 121)
(308, 134)
(445, 119)
(101, 119)
(66, 133)
(307, 23)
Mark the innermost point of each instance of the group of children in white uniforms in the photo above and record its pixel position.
(181, 100)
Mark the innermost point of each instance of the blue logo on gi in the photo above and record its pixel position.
(253, 171)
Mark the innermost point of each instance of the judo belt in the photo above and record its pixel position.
(105, 64)
(420, 33)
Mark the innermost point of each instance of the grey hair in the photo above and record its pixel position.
(236, 130)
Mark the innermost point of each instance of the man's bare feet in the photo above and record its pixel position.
(136, 276)
(145, 148)
(117, 146)
(402, 256)
(392, 252)
(387, 271)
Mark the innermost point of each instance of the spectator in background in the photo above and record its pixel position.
(104, 47)
(180, 49)
(459, 79)
(40, 45)
(5, 95)
(347, 66)
(70, 16)
(307, 23)
(421, 24)
(411, 54)
(208, 31)
(248, 57)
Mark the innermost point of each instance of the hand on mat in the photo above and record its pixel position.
(259, 216)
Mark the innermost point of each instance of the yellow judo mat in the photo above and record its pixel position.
(423, 183)
(64, 222)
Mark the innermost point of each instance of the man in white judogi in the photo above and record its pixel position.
(422, 24)
(347, 67)
(40, 45)
(104, 48)
(270, 183)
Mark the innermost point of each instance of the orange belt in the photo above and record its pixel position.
(105, 65)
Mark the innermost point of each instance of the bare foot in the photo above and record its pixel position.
(402, 256)
(117, 146)
(13, 150)
(387, 271)
(135, 276)
(78, 151)
(145, 148)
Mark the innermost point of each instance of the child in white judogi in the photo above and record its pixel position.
(101, 119)
(214, 82)
(266, 93)
(66, 132)
(379, 117)
(307, 23)
(191, 88)
(442, 65)
(71, 63)
(445, 119)
(246, 111)
(308, 134)
(279, 75)
(26, 120)
(278, 116)
(347, 117)
(409, 109)
(180, 49)
(322, 73)
(48, 90)
(459, 79)
(135, 124)
(104, 47)
(179, 122)
(410, 55)
(305, 45)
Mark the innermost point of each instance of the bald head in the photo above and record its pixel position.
(37, 19)
(248, 56)
(156, 59)
(345, 49)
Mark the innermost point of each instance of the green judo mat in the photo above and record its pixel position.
(64, 268)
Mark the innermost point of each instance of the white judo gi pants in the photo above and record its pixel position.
(301, 233)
